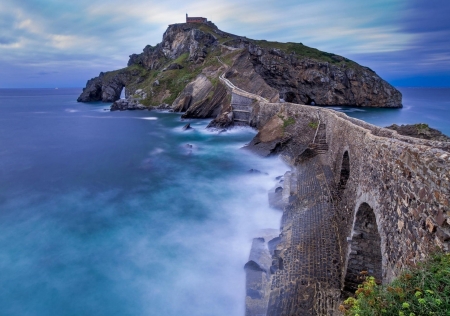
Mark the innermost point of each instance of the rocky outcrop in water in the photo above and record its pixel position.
(130, 103)
(420, 131)
(107, 87)
(183, 71)
(222, 121)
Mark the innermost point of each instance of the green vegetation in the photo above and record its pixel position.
(108, 76)
(228, 59)
(313, 124)
(422, 126)
(423, 290)
(287, 122)
(208, 29)
(137, 69)
(304, 51)
(182, 59)
(147, 102)
(172, 82)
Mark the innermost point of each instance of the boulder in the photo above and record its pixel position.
(173, 66)
(127, 104)
(223, 121)
(164, 106)
(187, 127)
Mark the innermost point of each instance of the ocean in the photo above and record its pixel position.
(124, 213)
(420, 105)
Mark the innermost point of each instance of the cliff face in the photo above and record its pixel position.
(106, 88)
(305, 76)
(190, 52)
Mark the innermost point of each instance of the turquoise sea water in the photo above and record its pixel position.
(123, 213)
(112, 213)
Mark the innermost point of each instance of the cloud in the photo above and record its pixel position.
(65, 34)
(6, 40)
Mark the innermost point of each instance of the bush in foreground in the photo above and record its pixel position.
(423, 290)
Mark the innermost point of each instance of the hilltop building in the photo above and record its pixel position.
(195, 19)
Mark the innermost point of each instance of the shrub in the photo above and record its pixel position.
(313, 125)
(287, 122)
(423, 290)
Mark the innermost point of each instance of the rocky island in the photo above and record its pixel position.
(357, 198)
(184, 69)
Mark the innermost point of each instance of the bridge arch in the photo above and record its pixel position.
(345, 171)
(364, 249)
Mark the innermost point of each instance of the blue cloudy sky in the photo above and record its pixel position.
(62, 43)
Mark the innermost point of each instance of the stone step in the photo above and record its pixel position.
(241, 111)
(241, 116)
(240, 107)
(238, 120)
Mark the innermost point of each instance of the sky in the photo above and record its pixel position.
(63, 43)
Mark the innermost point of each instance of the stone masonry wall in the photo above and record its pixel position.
(404, 180)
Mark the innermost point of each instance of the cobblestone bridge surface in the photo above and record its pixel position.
(306, 266)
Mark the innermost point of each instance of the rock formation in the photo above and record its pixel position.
(184, 69)
(420, 131)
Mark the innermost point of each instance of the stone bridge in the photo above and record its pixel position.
(358, 198)
(361, 198)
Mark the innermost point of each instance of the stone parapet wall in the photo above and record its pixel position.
(404, 180)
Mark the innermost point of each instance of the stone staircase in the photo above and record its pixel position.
(321, 139)
(319, 144)
(242, 108)
(241, 100)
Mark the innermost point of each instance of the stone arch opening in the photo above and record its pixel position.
(345, 171)
(364, 249)
(310, 101)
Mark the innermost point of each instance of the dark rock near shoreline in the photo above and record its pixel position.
(187, 127)
(107, 87)
(164, 106)
(256, 171)
(127, 104)
(223, 121)
(420, 130)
